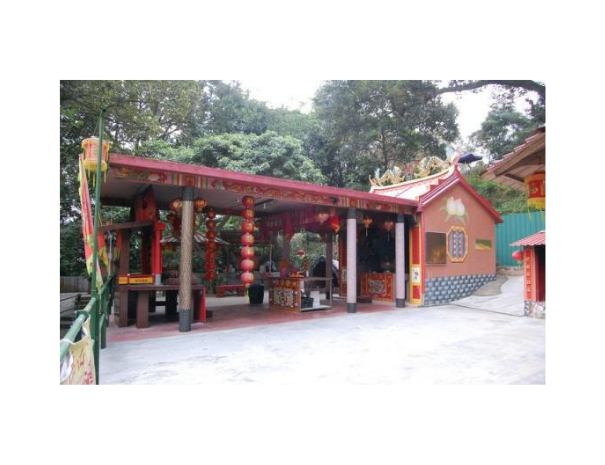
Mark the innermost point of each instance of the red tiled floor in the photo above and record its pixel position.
(231, 317)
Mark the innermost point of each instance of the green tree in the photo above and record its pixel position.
(370, 124)
(503, 129)
(268, 154)
(504, 199)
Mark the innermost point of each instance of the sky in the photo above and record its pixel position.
(297, 95)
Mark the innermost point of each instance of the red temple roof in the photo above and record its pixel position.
(535, 239)
(425, 190)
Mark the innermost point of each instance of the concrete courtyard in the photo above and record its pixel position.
(448, 344)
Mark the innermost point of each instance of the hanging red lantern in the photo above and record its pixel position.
(536, 190)
(247, 252)
(367, 221)
(300, 253)
(248, 226)
(199, 204)
(322, 216)
(210, 235)
(247, 265)
(248, 213)
(247, 278)
(210, 266)
(388, 226)
(211, 245)
(210, 255)
(210, 213)
(248, 201)
(210, 224)
(211, 275)
(247, 239)
(176, 205)
(335, 224)
(518, 255)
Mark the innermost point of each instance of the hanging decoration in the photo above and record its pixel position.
(322, 216)
(91, 155)
(536, 190)
(367, 221)
(334, 221)
(211, 245)
(388, 226)
(199, 204)
(247, 263)
(518, 255)
(176, 206)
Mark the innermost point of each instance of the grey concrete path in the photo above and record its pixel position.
(505, 295)
(435, 345)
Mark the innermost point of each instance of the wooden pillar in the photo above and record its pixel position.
(142, 309)
(124, 268)
(185, 270)
(400, 262)
(352, 260)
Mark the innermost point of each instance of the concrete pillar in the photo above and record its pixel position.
(352, 260)
(400, 262)
(329, 272)
(185, 270)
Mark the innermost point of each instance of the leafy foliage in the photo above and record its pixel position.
(504, 199)
(370, 124)
(502, 131)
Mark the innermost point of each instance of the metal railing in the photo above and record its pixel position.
(98, 309)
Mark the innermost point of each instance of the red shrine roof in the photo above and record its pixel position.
(535, 239)
(223, 189)
(525, 159)
(425, 190)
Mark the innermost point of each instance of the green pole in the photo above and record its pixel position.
(94, 316)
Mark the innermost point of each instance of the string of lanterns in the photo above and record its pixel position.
(211, 245)
(247, 252)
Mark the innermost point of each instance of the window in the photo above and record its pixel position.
(435, 248)
(457, 244)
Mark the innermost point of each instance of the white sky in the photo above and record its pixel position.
(297, 94)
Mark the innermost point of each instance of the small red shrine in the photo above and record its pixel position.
(525, 169)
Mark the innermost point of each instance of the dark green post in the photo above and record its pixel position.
(94, 316)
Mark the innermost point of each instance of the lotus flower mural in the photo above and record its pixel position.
(455, 209)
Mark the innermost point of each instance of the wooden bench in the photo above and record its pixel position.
(239, 288)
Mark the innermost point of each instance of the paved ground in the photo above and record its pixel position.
(505, 295)
(436, 345)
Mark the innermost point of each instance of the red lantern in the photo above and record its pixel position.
(518, 255)
(210, 266)
(211, 245)
(210, 275)
(247, 252)
(335, 224)
(322, 216)
(247, 265)
(210, 224)
(176, 205)
(301, 253)
(210, 235)
(210, 214)
(248, 226)
(388, 225)
(248, 213)
(210, 255)
(247, 278)
(248, 201)
(247, 239)
(199, 204)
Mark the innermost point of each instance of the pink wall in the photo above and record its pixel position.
(478, 225)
